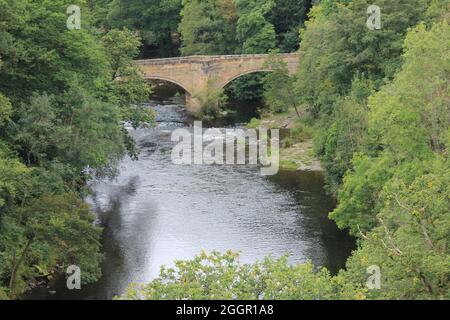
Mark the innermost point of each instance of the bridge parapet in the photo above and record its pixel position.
(206, 58)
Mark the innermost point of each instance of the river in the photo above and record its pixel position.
(156, 212)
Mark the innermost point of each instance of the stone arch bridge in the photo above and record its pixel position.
(198, 74)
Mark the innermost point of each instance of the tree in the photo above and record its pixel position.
(212, 102)
(35, 129)
(224, 277)
(254, 32)
(155, 20)
(130, 89)
(338, 48)
(13, 175)
(100, 10)
(66, 94)
(5, 110)
(408, 126)
(44, 55)
(279, 87)
(345, 135)
(208, 27)
(57, 230)
(287, 17)
(337, 45)
(411, 243)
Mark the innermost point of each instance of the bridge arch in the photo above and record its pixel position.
(196, 74)
(178, 83)
(241, 74)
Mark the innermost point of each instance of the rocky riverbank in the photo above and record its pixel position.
(297, 149)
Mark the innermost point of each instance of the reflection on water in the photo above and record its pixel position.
(156, 212)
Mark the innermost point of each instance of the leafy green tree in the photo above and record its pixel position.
(408, 126)
(5, 110)
(254, 32)
(337, 45)
(129, 87)
(52, 230)
(87, 73)
(213, 103)
(34, 129)
(224, 277)
(279, 91)
(287, 17)
(66, 94)
(81, 138)
(44, 55)
(99, 10)
(411, 243)
(346, 134)
(13, 175)
(155, 20)
(208, 27)
(338, 48)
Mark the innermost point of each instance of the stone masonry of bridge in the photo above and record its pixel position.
(198, 74)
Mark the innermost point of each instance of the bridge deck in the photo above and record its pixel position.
(197, 75)
(204, 58)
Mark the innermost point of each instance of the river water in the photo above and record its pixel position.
(156, 212)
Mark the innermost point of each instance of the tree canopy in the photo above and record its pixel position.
(377, 102)
(62, 115)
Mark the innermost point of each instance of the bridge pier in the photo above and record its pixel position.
(193, 105)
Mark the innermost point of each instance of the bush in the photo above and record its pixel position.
(224, 277)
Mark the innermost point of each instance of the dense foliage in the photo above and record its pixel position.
(224, 277)
(155, 20)
(241, 26)
(343, 61)
(64, 96)
(379, 104)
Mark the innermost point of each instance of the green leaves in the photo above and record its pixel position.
(58, 231)
(5, 110)
(224, 277)
(122, 46)
(208, 27)
(44, 55)
(382, 103)
(409, 119)
(412, 240)
(337, 46)
(35, 128)
(279, 92)
(396, 197)
(254, 33)
(13, 175)
(129, 89)
(155, 20)
(61, 123)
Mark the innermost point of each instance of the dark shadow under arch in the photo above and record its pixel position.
(170, 81)
(164, 90)
(235, 77)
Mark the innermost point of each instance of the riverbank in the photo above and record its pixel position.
(156, 212)
(297, 148)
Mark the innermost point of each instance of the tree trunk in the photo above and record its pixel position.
(16, 266)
